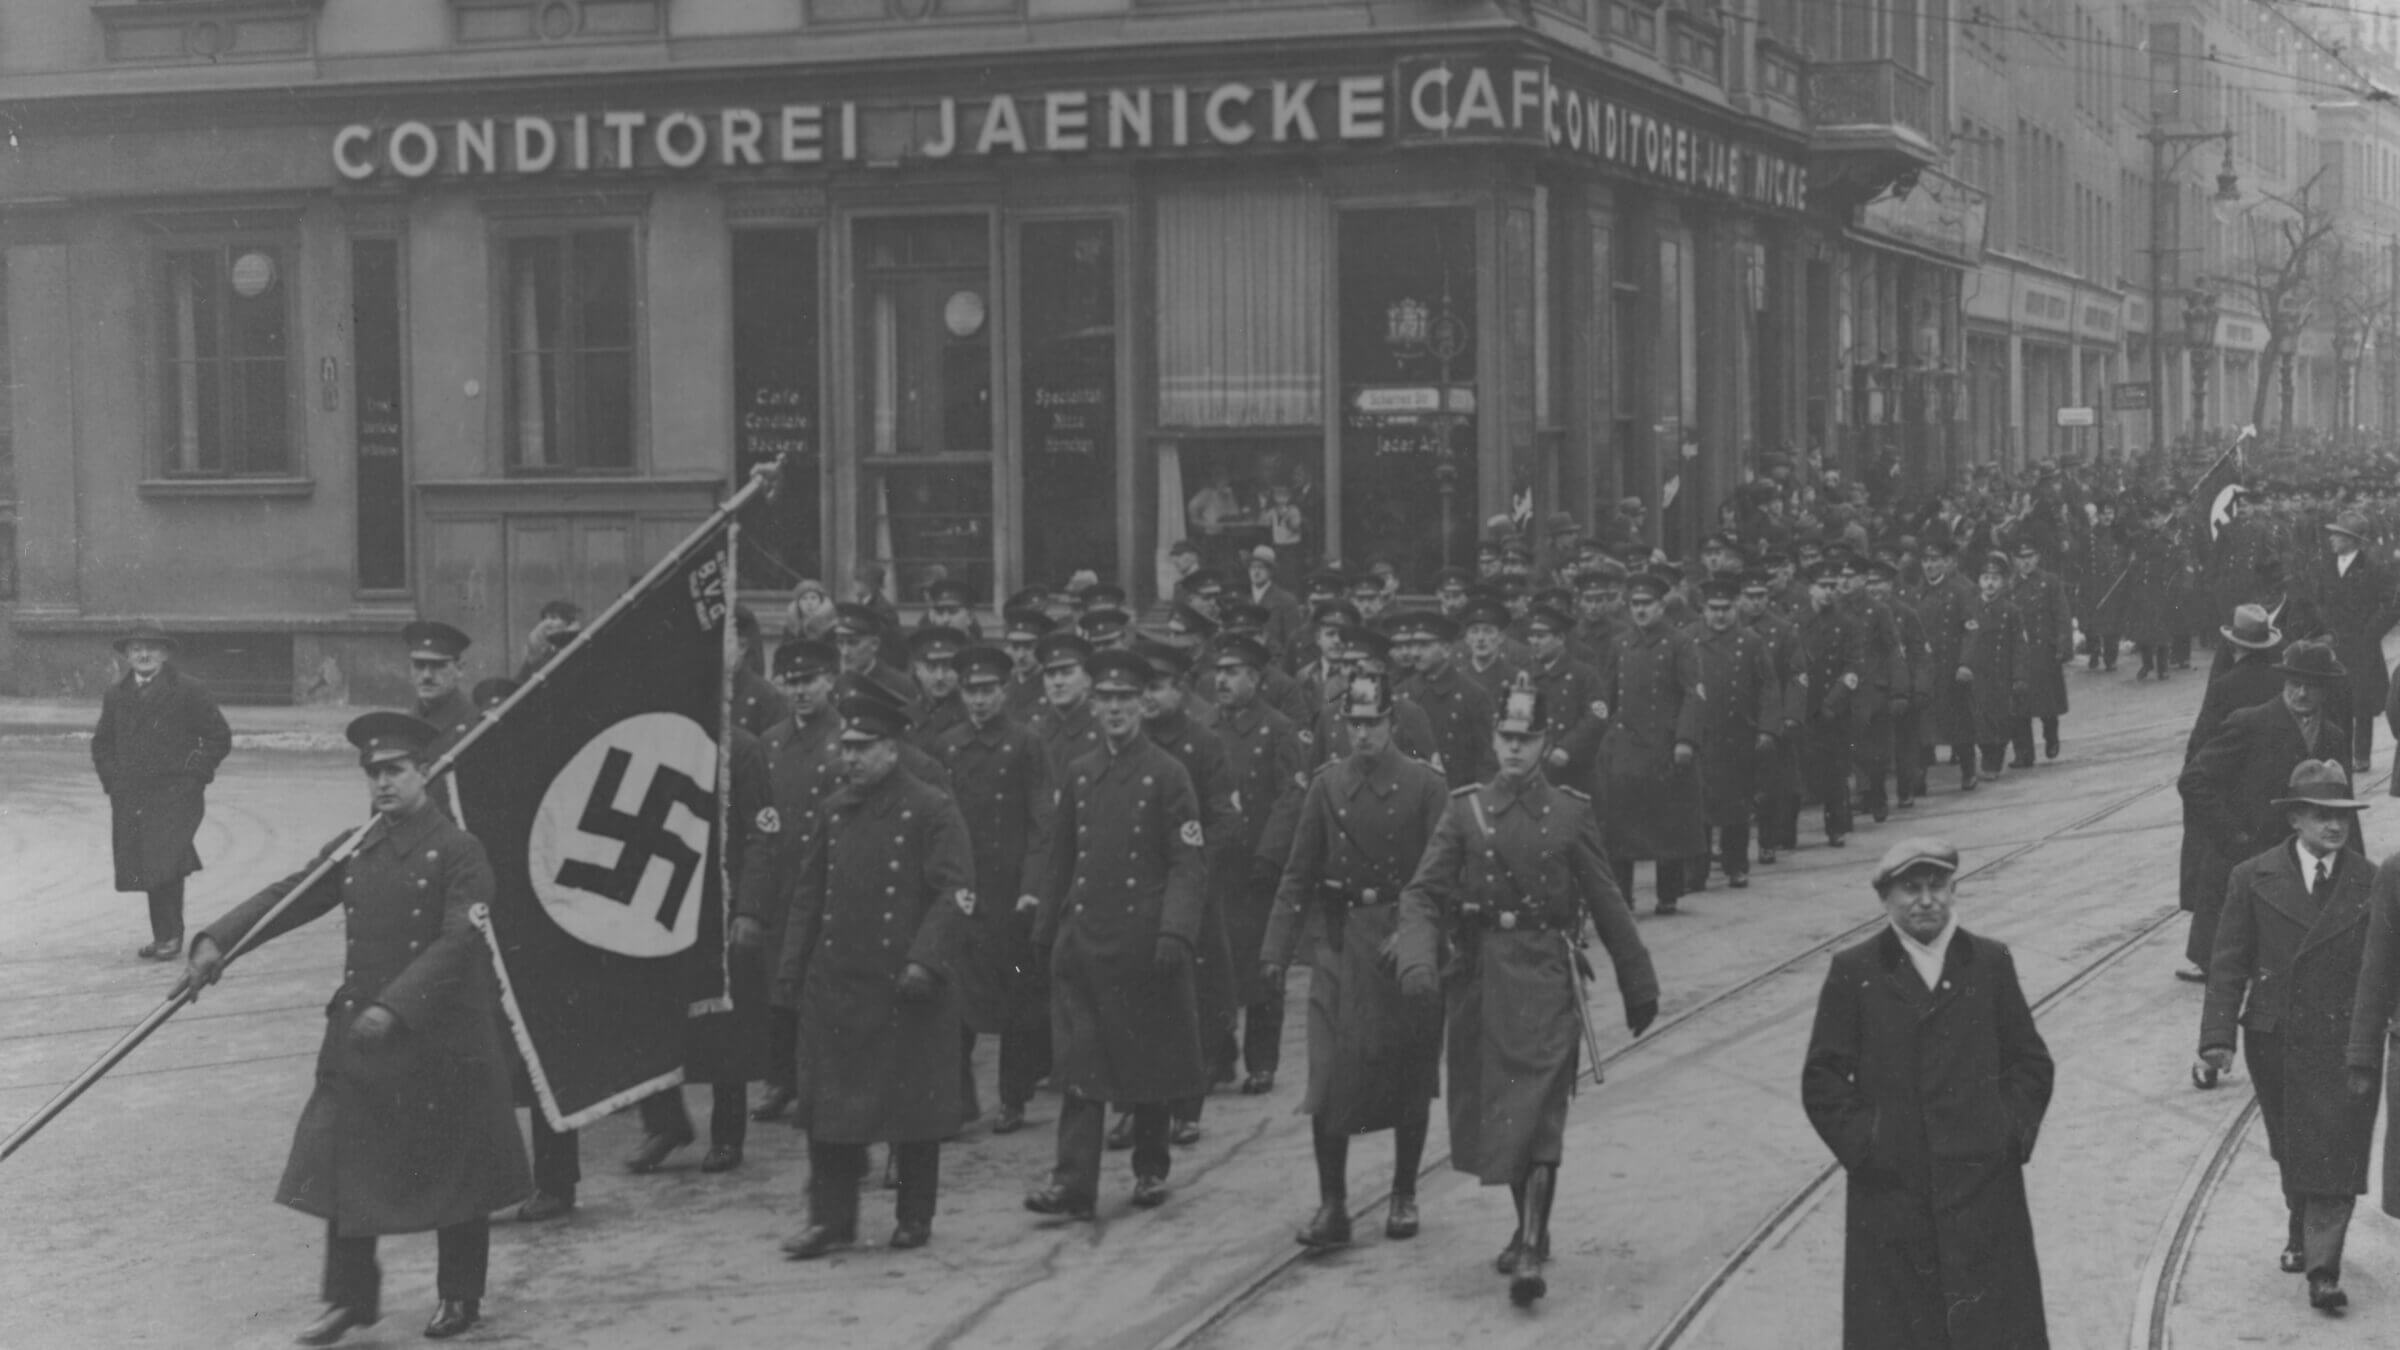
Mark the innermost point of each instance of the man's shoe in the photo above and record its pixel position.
(1120, 1135)
(2193, 974)
(1665, 910)
(1401, 1223)
(2363, 764)
(1526, 1283)
(1259, 1083)
(816, 1240)
(1183, 1133)
(1149, 1192)
(2325, 1294)
(654, 1150)
(722, 1158)
(1008, 1119)
(335, 1323)
(1057, 1200)
(1327, 1229)
(1967, 782)
(452, 1316)
(910, 1236)
(1739, 881)
(2020, 762)
(776, 1105)
(2049, 749)
(1506, 1262)
(2292, 1261)
(1881, 813)
(165, 949)
(542, 1207)
(1906, 803)
(1837, 841)
(1766, 857)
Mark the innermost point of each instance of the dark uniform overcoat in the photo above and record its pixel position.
(1221, 822)
(417, 1134)
(1506, 888)
(1996, 652)
(1932, 1099)
(1126, 866)
(1461, 714)
(1268, 764)
(156, 749)
(2374, 1040)
(1745, 701)
(2049, 640)
(803, 768)
(1655, 702)
(1001, 779)
(1572, 696)
(2287, 968)
(757, 704)
(1947, 607)
(1372, 1058)
(888, 880)
(1779, 779)
(730, 1046)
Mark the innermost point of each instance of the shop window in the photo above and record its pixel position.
(1241, 306)
(213, 31)
(775, 391)
(568, 308)
(1068, 335)
(1626, 363)
(378, 412)
(501, 21)
(925, 401)
(225, 381)
(1409, 353)
(908, 11)
(1237, 492)
(8, 449)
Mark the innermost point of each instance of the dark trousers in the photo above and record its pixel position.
(1025, 1040)
(1871, 753)
(783, 1048)
(2021, 736)
(557, 1157)
(728, 1114)
(1082, 1122)
(1825, 760)
(354, 1280)
(1669, 874)
(835, 1170)
(166, 911)
(1262, 1033)
(1909, 755)
(970, 1101)
(2362, 741)
(1995, 756)
(1733, 848)
(2318, 1226)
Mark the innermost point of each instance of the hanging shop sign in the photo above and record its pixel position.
(1418, 103)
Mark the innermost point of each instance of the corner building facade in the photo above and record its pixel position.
(323, 316)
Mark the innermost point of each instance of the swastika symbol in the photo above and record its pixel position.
(644, 836)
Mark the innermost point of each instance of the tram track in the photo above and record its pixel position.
(1227, 1307)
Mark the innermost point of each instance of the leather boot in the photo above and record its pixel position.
(1400, 1223)
(1529, 1282)
(1506, 1262)
(1330, 1228)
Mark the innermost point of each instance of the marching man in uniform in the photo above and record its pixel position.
(1514, 869)
(877, 908)
(409, 1127)
(1373, 1058)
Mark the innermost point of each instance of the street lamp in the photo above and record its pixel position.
(2200, 335)
(2229, 193)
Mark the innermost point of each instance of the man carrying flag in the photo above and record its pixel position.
(877, 912)
(409, 1127)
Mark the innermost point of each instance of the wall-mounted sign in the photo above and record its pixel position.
(2077, 417)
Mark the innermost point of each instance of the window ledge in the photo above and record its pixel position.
(228, 487)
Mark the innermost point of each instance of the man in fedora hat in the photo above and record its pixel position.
(2244, 672)
(409, 1127)
(2355, 593)
(159, 742)
(2290, 943)
(2231, 783)
(1927, 1079)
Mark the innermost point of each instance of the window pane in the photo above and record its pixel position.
(1069, 401)
(604, 287)
(921, 519)
(375, 365)
(775, 389)
(534, 287)
(1408, 351)
(261, 422)
(605, 433)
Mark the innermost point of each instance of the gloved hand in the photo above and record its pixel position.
(1765, 743)
(1027, 904)
(203, 963)
(1172, 953)
(2362, 1083)
(915, 985)
(1683, 754)
(1964, 676)
(373, 1029)
(1270, 975)
(1420, 983)
(748, 933)
(1639, 1017)
(2209, 1066)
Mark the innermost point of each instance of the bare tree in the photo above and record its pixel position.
(2277, 282)
(2360, 289)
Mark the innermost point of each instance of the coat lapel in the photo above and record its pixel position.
(2348, 905)
(2283, 891)
(1901, 978)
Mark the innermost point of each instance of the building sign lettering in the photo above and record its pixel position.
(1418, 103)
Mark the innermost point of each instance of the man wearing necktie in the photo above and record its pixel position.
(2289, 945)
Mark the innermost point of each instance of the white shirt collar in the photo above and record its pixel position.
(2310, 864)
(2342, 561)
(1928, 957)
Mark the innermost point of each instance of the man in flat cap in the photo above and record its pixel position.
(409, 1126)
(157, 746)
(2291, 941)
(1926, 1078)
(1124, 894)
(868, 965)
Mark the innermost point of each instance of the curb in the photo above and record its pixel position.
(285, 741)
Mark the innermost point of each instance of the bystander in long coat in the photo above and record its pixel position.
(156, 749)
(2374, 1046)
(889, 879)
(1126, 867)
(1931, 1099)
(417, 1134)
(2049, 621)
(1655, 702)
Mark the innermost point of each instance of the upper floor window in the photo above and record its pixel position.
(906, 11)
(171, 31)
(568, 309)
(225, 354)
(503, 21)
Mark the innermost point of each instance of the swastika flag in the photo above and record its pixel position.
(596, 793)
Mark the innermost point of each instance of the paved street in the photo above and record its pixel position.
(1686, 1214)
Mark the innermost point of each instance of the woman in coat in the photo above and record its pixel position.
(159, 742)
(2290, 943)
(1926, 1077)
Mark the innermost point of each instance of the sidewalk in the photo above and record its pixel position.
(309, 728)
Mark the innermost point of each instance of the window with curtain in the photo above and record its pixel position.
(225, 360)
(1241, 306)
(569, 313)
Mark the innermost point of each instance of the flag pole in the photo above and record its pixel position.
(762, 479)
